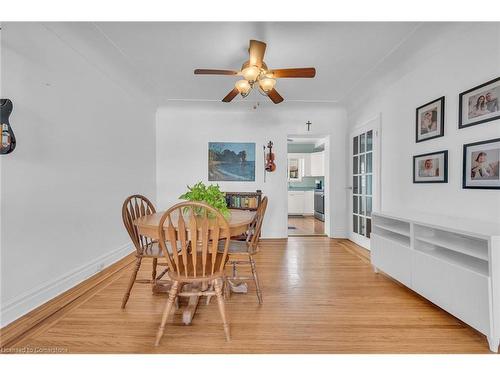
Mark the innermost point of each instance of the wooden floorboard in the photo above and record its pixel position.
(305, 225)
(320, 296)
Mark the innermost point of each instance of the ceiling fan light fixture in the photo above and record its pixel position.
(258, 76)
(250, 73)
(267, 84)
(243, 86)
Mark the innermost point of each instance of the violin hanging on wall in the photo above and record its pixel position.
(8, 139)
(270, 165)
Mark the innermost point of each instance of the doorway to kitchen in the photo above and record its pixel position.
(306, 185)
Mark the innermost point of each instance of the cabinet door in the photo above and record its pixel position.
(459, 291)
(317, 164)
(307, 165)
(470, 298)
(391, 257)
(296, 202)
(432, 280)
(309, 202)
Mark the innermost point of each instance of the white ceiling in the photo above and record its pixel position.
(163, 55)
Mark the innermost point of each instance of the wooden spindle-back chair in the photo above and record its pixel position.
(194, 231)
(247, 249)
(133, 208)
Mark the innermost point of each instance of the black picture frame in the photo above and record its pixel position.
(445, 172)
(441, 119)
(461, 125)
(464, 164)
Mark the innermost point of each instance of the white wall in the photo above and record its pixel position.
(184, 130)
(85, 141)
(458, 58)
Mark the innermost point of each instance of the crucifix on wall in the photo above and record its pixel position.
(308, 123)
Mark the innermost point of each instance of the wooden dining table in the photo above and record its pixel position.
(238, 220)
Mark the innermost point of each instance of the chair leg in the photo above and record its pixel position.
(256, 279)
(209, 297)
(131, 281)
(170, 302)
(222, 307)
(227, 288)
(153, 274)
(235, 272)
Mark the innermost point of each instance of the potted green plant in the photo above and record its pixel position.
(211, 195)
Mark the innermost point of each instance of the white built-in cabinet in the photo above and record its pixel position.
(453, 263)
(301, 202)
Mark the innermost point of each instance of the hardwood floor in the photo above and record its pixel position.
(305, 225)
(320, 296)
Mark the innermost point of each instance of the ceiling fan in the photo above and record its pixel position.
(256, 73)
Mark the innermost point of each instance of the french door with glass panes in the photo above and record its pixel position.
(364, 197)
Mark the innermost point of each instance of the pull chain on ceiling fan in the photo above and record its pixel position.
(255, 72)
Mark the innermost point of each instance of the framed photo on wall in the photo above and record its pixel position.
(479, 104)
(430, 120)
(481, 165)
(431, 168)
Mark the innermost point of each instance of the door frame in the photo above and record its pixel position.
(327, 178)
(375, 124)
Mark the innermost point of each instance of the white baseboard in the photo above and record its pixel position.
(339, 234)
(24, 303)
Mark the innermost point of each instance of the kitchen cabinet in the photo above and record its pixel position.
(305, 165)
(301, 202)
(317, 164)
(296, 202)
(309, 202)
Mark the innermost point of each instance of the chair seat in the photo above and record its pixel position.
(189, 267)
(235, 247)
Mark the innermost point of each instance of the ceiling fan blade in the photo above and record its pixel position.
(256, 51)
(216, 71)
(275, 96)
(294, 73)
(232, 94)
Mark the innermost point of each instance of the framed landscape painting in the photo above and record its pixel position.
(430, 120)
(479, 104)
(481, 165)
(431, 168)
(231, 161)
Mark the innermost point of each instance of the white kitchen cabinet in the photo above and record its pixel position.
(317, 163)
(296, 202)
(301, 202)
(309, 202)
(307, 164)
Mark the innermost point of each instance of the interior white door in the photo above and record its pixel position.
(365, 177)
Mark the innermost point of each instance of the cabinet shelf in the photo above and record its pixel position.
(390, 228)
(393, 225)
(390, 234)
(459, 259)
(476, 248)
